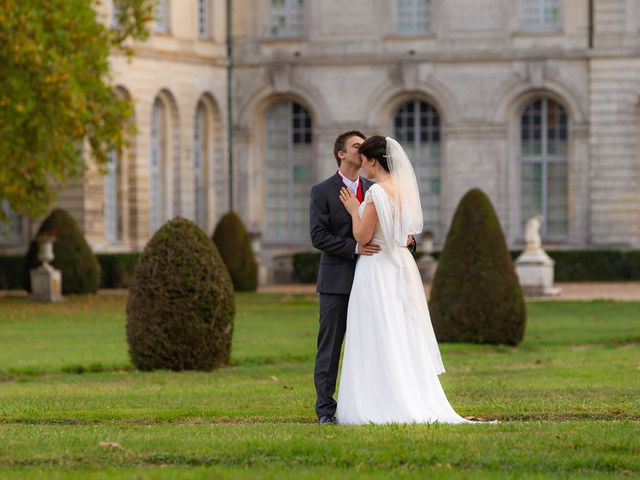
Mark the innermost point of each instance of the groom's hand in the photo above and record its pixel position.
(368, 249)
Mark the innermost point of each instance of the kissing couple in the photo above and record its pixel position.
(372, 293)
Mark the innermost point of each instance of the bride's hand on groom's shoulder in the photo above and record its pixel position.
(349, 200)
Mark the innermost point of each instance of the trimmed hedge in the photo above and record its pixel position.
(306, 266)
(11, 272)
(234, 245)
(72, 255)
(596, 265)
(476, 296)
(571, 265)
(181, 304)
(118, 269)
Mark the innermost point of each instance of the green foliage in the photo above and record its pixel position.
(118, 269)
(234, 244)
(72, 255)
(181, 306)
(56, 93)
(594, 265)
(306, 266)
(476, 296)
(11, 272)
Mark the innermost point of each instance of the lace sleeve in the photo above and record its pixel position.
(368, 197)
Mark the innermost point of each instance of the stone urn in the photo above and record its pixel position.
(46, 281)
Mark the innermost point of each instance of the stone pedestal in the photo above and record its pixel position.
(427, 267)
(282, 269)
(46, 284)
(426, 263)
(256, 246)
(535, 271)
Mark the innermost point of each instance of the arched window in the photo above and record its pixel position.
(413, 17)
(200, 163)
(158, 164)
(111, 204)
(417, 128)
(288, 173)
(540, 15)
(543, 161)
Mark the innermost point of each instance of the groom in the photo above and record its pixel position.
(331, 233)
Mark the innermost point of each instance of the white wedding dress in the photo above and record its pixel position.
(391, 357)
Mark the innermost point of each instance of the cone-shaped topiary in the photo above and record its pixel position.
(72, 255)
(181, 306)
(476, 296)
(234, 245)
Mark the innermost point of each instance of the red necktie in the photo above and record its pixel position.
(359, 194)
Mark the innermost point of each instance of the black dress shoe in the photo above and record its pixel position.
(327, 419)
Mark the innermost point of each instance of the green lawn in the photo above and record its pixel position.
(568, 400)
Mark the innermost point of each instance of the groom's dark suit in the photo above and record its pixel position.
(331, 233)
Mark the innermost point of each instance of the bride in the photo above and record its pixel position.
(391, 357)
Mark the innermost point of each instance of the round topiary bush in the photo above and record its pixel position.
(181, 306)
(73, 256)
(234, 245)
(476, 296)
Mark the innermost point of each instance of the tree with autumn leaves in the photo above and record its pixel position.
(56, 94)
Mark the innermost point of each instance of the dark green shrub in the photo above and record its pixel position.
(11, 272)
(476, 296)
(234, 245)
(73, 256)
(181, 306)
(596, 265)
(118, 269)
(306, 266)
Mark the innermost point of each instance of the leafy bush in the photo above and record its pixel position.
(476, 296)
(181, 307)
(234, 244)
(306, 266)
(118, 269)
(73, 256)
(11, 272)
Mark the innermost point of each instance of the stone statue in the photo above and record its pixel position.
(532, 233)
(534, 267)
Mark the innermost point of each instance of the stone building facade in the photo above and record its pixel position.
(537, 102)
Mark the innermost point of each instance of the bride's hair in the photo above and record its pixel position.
(375, 148)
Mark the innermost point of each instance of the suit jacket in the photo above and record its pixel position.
(332, 234)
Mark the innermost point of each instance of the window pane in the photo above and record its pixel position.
(203, 18)
(288, 172)
(417, 128)
(162, 16)
(157, 156)
(540, 15)
(11, 229)
(286, 18)
(544, 173)
(111, 198)
(413, 17)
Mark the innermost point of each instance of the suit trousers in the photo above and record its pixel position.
(333, 324)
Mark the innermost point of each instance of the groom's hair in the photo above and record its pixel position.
(339, 145)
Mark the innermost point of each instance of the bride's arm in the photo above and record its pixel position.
(363, 228)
